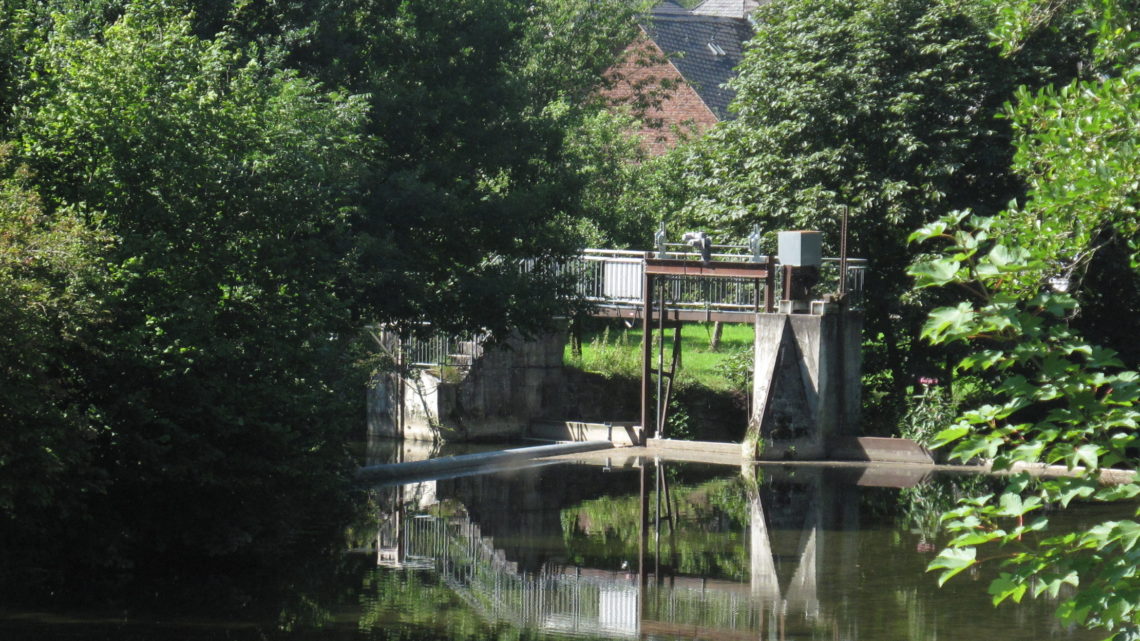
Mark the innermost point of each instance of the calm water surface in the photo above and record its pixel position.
(627, 551)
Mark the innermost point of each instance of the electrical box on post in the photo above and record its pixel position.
(800, 248)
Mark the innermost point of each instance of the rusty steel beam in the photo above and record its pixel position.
(770, 286)
(711, 269)
(646, 351)
(678, 316)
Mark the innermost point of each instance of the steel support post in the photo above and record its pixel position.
(646, 353)
(770, 286)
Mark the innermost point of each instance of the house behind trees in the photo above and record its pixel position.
(673, 74)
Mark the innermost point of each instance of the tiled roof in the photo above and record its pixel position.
(705, 49)
(726, 8)
(668, 6)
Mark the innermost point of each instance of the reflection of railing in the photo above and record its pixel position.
(580, 601)
(697, 606)
(471, 566)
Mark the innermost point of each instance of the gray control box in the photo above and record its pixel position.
(800, 248)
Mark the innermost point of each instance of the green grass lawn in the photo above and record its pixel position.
(615, 350)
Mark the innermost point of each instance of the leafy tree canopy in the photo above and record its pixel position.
(887, 107)
(1058, 397)
(204, 203)
(51, 276)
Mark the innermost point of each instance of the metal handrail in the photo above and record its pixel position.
(615, 252)
(613, 278)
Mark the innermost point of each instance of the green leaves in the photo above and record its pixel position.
(1012, 504)
(1005, 258)
(1064, 490)
(52, 278)
(1057, 398)
(219, 354)
(935, 273)
(1007, 586)
(949, 435)
(952, 561)
(949, 324)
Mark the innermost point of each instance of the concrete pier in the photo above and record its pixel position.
(806, 383)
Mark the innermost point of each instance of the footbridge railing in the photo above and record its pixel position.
(727, 283)
(613, 279)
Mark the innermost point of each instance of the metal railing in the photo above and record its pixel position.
(442, 350)
(430, 349)
(614, 278)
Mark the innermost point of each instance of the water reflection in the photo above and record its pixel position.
(630, 549)
(658, 550)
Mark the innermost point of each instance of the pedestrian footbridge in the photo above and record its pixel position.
(731, 285)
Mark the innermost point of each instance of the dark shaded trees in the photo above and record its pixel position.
(226, 190)
(470, 104)
(239, 190)
(51, 280)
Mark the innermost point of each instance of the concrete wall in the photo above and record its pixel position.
(497, 397)
(806, 385)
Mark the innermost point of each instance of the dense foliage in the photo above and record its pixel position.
(50, 280)
(1059, 398)
(201, 206)
(217, 362)
(889, 108)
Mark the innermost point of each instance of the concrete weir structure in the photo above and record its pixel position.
(806, 387)
(493, 393)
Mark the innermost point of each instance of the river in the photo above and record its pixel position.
(624, 548)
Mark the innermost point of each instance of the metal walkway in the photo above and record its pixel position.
(729, 287)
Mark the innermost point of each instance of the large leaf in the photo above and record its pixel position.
(934, 273)
(952, 561)
(1009, 258)
(947, 324)
(1008, 586)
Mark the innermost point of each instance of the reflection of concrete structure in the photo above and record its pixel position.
(800, 590)
(785, 548)
(391, 532)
